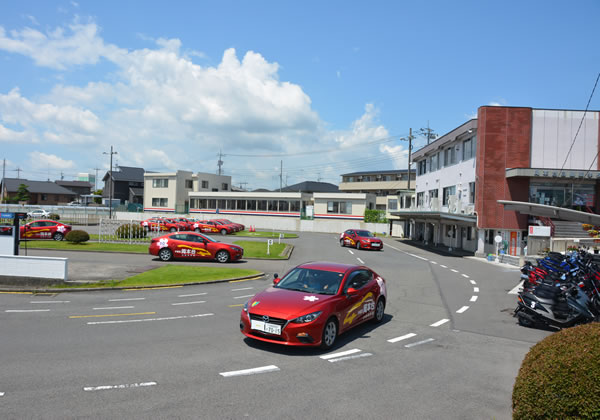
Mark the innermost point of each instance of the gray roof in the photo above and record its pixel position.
(311, 186)
(44, 187)
(68, 184)
(391, 171)
(127, 173)
(136, 191)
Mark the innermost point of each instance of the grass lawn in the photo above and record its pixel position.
(173, 274)
(253, 249)
(264, 234)
(86, 246)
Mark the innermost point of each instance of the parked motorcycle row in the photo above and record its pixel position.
(560, 291)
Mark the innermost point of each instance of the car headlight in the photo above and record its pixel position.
(306, 318)
(246, 307)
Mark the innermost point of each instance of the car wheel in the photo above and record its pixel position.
(58, 236)
(357, 244)
(172, 230)
(165, 254)
(223, 256)
(329, 334)
(379, 310)
(341, 242)
(197, 230)
(223, 232)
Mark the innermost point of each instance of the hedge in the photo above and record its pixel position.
(560, 377)
(77, 236)
(137, 231)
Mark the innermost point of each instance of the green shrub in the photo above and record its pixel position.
(560, 377)
(375, 216)
(137, 231)
(77, 236)
(586, 226)
(54, 216)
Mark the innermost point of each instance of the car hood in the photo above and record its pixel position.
(286, 304)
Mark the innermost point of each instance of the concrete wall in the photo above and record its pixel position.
(33, 267)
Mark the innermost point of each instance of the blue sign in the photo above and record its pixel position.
(7, 215)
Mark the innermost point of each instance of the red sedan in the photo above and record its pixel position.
(237, 227)
(44, 229)
(314, 303)
(193, 246)
(359, 238)
(224, 229)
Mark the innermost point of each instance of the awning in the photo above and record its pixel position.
(553, 212)
(429, 216)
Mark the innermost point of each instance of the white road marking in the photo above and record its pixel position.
(340, 354)
(463, 309)
(393, 247)
(473, 281)
(241, 297)
(443, 266)
(263, 369)
(1, 394)
(475, 289)
(404, 337)
(429, 340)
(419, 257)
(360, 261)
(112, 307)
(516, 289)
(453, 270)
(50, 301)
(473, 298)
(465, 276)
(125, 386)
(148, 319)
(432, 262)
(350, 357)
(27, 310)
(197, 294)
(350, 251)
(188, 303)
(440, 322)
(122, 300)
(243, 288)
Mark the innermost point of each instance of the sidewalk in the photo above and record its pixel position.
(438, 249)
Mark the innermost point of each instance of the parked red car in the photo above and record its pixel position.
(44, 229)
(157, 224)
(222, 225)
(237, 226)
(359, 238)
(218, 227)
(313, 303)
(193, 246)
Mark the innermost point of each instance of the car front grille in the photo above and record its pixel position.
(277, 321)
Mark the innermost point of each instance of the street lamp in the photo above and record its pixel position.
(110, 188)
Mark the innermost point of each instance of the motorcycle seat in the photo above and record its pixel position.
(545, 291)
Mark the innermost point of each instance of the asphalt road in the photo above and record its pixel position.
(448, 348)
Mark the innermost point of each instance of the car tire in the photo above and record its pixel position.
(223, 256)
(165, 254)
(329, 334)
(223, 231)
(58, 236)
(379, 310)
(341, 242)
(197, 230)
(357, 244)
(172, 230)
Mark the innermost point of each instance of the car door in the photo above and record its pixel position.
(181, 246)
(348, 239)
(202, 249)
(359, 305)
(34, 230)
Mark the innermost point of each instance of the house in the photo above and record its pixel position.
(311, 187)
(40, 192)
(382, 184)
(78, 187)
(127, 185)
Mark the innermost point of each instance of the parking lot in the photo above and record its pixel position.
(448, 346)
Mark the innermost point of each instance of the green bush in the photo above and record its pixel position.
(54, 216)
(560, 377)
(137, 231)
(77, 236)
(375, 216)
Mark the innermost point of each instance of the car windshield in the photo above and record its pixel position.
(365, 234)
(312, 281)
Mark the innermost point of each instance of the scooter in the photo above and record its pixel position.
(556, 307)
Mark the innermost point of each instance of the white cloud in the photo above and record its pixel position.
(39, 160)
(8, 135)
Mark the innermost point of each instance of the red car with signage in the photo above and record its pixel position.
(238, 227)
(193, 246)
(314, 303)
(157, 224)
(358, 238)
(223, 229)
(44, 229)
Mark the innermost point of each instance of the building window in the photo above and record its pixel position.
(448, 191)
(392, 204)
(224, 186)
(294, 205)
(262, 205)
(420, 198)
(469, 148)
(272, 205)
(339, 207)
(241, 204)
(471, 192)
(449, 156)
(422, 167)
(222, 204)
(44, 197)
(212, 204)
(284, 206)
(349, 179)
(366, 178)
(160, 183)
(189, 184)
(205, 184)
(251, 205)
(433, 163)
(159, 202)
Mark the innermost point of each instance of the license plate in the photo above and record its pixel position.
(375, 244)
(265, 327)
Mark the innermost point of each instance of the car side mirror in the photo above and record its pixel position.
(351, 291)
(276, 278)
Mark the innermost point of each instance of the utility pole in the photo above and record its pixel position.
(110, 180)
(3, 174)
(281, 177)
(410, 137)
(18, 171)
(220, 162)
(428, 133)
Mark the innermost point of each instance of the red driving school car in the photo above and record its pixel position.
(44, 229)
(313, 303)
(359, 238)
(193, 246)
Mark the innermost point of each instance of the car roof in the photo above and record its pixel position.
(329, 266)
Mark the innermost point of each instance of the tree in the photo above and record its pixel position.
(23, 193)
(98, 200)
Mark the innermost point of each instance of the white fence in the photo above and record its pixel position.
(109, 230)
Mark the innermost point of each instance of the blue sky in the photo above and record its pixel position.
(324, 87)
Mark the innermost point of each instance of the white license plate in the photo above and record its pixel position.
(375, 244)
(265, 327)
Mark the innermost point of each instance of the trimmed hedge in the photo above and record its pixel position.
(560, 377)
(77, 236)
(137, 231)
(54, 216)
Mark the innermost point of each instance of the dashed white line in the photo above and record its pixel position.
(112, 307)
(50, 301)
(241, 297)
(418, 343)
(27, 310)
(188, 303)
(432, 262)
(418, 256)
(465, 276)
(473, 281)
(440, 322)
(356, 356)
(1, 394)
(193, 294)
(125, 299)
(476, 289)
(463, 309)
(360, 261)
(147, 319)
(453, 270)
(404, 337)
(340, 354)
(124, 386)
(473, 298)
(243, 288)
(263, 369)
(350, 251)
(443, 266)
